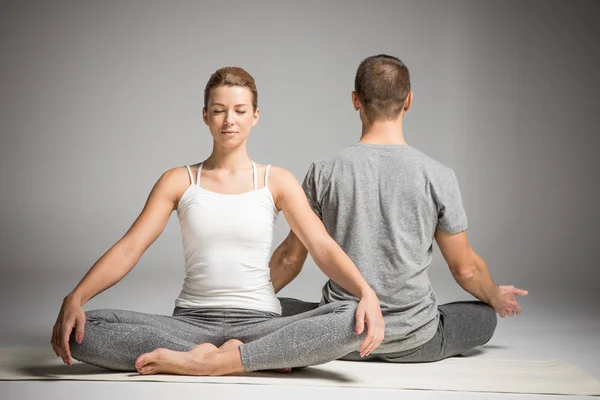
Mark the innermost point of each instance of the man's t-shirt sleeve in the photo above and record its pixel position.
(311, 189)
(451, 214)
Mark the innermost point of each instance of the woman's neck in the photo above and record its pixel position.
(229, 159)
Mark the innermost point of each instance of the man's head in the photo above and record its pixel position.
(381, 88)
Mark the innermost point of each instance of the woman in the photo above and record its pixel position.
(227, 207)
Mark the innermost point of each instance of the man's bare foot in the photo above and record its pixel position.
(193, 362)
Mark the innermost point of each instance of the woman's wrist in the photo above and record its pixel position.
(366, 291)
(74, 297)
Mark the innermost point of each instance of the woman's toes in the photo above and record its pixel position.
(147, 369)
(230, 344)
(151, 357)
(141, 361)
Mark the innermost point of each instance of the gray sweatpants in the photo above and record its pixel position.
(114, 339)
(462, 326)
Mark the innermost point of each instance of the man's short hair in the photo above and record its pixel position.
(382, 84)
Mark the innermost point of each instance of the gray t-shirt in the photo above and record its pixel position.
(382, 204)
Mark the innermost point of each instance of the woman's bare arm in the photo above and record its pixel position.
(329, 257)
(120, 259)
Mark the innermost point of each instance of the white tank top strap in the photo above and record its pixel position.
(190, 172)
(199, 174)
(267, 175)
(255, 177)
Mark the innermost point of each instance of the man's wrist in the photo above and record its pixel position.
(496, 297)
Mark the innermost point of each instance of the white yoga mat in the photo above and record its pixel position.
(470, 374)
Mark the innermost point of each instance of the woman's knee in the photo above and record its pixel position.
(92, 319)
(344, 307)
(343, 312)
(101, 315)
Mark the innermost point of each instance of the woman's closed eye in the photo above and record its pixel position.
(221, 111)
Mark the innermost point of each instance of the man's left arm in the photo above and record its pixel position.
(287, 261)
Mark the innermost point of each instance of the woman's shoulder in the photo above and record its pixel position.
(277, 174)
(175, 181)
(178, 175)
(282, 182)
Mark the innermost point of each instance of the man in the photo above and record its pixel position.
(384, 202)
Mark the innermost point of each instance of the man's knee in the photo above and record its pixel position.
(489, 321)
(290, 306)
(470, 322)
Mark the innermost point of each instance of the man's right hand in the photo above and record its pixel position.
(505, 302)
(71, 316)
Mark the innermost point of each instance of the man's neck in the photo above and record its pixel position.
(383, 132)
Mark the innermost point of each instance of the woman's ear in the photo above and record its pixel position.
(256, 115)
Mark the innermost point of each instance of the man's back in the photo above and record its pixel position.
(382, 204)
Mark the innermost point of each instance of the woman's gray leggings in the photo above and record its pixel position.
(114, 339)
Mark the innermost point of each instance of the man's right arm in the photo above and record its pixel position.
(287, 261)
(472, 274)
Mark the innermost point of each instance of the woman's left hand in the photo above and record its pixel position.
(368, 312)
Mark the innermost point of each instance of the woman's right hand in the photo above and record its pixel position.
(71, 316)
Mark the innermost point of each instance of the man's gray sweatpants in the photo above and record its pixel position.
(114, 339)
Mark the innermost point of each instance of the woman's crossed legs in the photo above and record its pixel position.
(125, 340)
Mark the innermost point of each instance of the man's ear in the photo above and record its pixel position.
(408, 101)
(355, 101)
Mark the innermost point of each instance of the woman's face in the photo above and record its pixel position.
(229, 115)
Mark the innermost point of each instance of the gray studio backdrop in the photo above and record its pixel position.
(98, 98)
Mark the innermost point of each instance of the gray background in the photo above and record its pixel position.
(97, 99)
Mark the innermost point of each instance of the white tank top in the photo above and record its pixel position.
(227, 246)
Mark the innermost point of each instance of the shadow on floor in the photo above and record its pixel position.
(79, 370)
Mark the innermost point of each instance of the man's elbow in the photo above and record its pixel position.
(294, 262)
(464, 272)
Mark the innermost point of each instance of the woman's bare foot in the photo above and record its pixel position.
(193, 362)
(204, 359)
(233, 343)
(230, 344)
